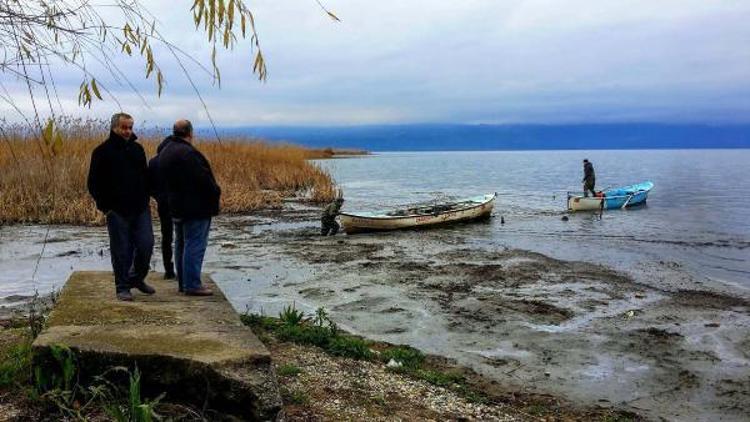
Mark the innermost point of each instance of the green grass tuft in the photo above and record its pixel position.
(442, 379)
(292, 317)
(297, 397)
(259, 321)
(289, 370)
(15, 365)
(303, 334)
(351, 347)
(409, 357)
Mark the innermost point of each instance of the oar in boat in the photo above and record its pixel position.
(627, 201)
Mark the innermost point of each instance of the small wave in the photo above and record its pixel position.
(718, 243)
(700, 244)
(731, 270)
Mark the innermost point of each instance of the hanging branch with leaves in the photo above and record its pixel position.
(39, 35)
(41, 32)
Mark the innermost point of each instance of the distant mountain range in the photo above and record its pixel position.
(455, 137)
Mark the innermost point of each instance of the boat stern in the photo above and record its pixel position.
(583, 203)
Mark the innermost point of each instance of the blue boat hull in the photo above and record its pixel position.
(615, 198)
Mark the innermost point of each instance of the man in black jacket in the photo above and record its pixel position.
(118, 182)
(158, 190)
(589, 178)
(193, 196)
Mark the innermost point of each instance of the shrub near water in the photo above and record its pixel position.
(45, 181)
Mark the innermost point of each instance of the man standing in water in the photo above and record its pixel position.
(193, 196)
(328, 222)
(118, 182)
(589, 178)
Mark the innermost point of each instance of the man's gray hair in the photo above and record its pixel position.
(115, 121)
(182, 128)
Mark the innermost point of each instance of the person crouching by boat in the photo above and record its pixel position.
(328, 223)
(589, 178)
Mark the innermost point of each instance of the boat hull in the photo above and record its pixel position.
(353, 223)
(617, 198)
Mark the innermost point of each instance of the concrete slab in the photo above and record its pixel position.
(193, 348)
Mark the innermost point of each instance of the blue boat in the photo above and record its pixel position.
(613, 198)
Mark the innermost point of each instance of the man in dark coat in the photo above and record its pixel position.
(118, 182)
(589, 178)
(193, 196)
(158, 191)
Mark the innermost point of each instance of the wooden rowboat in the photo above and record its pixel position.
(467, 209)
(615, 198)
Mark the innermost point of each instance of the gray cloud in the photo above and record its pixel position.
(484, 61)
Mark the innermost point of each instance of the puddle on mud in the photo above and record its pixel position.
(530, 321)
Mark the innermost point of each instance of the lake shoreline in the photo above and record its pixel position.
(524, 320)
(321, 385)
(531, 322)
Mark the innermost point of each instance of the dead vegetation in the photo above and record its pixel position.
(45, 181)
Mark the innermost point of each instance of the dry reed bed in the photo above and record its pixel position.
(42, 184)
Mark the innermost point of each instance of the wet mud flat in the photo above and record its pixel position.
(659, 342)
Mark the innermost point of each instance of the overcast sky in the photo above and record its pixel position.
(468, 61)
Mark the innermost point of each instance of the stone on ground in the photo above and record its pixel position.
(193, 348)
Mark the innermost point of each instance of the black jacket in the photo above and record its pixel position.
(156, 183)
(118, 176)
(588, 173)
(192, 191)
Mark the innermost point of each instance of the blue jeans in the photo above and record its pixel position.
(131, 242)
(191, 239)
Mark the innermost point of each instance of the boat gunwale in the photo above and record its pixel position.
(401, 217)
(607, 197)
(580, 195)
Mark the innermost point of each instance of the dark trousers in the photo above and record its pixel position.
(191, 240)
(131, 242)
(328, 225)
(167, 236)
(588, 186)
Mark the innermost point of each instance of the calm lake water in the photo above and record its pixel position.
(692, 235)
(697, 215)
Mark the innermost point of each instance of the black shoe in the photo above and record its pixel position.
(144, 288)
(170, 276)
(125, 296)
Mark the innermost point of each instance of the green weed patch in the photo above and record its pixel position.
(320, 331)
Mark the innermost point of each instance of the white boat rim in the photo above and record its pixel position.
(471, 202)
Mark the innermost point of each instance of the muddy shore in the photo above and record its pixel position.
(659, 341)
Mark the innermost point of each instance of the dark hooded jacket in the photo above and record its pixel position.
(588, 173)
(156, 183)
(118, 176)
(331, 211)
(191, 188)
